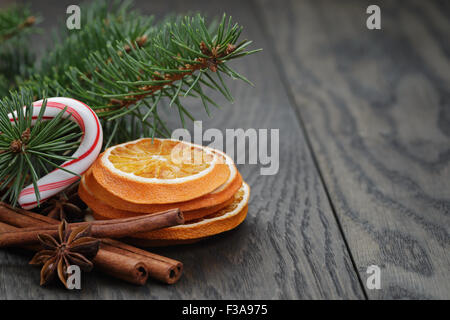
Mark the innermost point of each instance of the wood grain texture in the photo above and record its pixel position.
(290, 245)
(376, 108)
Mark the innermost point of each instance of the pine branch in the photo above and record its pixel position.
(134, 65)
(16, 62)
(102, 23)
(16, 58)
(15, 20)
(28, 152)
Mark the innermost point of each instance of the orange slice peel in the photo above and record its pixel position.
(221, 221)
(109, 212)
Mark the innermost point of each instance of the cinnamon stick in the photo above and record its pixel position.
(120, 260)
(130, 269)
(161, 268)
(115, 228)
(4, 227)
(21, 218)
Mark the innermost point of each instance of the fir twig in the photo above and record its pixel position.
(135, 60)
(26, 151)
(14, 20)
(16, 58)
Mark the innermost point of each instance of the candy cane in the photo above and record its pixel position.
(87, 152)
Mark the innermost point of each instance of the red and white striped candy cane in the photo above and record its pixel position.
(87, 152)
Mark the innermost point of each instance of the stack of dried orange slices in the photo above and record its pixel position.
(151, 175)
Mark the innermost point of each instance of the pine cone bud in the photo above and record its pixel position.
(212, 64)
(230, 48)
(204, 48)
(116, 102)
(16, 146)
(141, 40)
(29, 21)
(157, 76)
(127, 48)
(25, 137)
(214, 51)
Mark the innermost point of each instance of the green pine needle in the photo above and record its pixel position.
(22, 147)
(16, 59)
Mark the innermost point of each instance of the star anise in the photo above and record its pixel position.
(66, 205)
(71, 248)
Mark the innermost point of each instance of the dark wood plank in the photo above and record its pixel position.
(289, 246)
(375, 105)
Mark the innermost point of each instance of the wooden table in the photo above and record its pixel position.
(364, 178)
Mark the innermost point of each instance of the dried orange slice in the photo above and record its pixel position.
(159, 171)
(109, 212)
(214, 198)
(221, 221)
